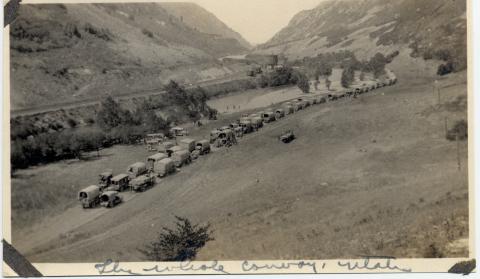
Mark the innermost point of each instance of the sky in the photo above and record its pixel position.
(256, 20)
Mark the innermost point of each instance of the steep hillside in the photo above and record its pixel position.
(429, 28)
(78, 51)
(200, 19)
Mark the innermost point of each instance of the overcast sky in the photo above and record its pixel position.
(256, 20)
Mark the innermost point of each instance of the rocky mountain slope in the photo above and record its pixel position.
(428, 28)
(78, 51)
(202, 20)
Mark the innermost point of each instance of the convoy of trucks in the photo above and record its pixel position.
(170, 157)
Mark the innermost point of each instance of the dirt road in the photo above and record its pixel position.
(367, 176)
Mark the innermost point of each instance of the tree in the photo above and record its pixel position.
(328, 83)
(181, 244)
(362, 76)
(347, 77)
(176, 93)
(302, 81)
(377, 63)
(109, 115)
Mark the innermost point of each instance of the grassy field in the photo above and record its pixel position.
(373, 175)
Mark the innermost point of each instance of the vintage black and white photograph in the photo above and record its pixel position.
(228, 130)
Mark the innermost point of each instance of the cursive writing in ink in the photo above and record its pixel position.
(379, 263)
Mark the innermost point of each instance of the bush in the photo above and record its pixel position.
(71, 122)
(147, 33)
(460, 130)
(181, 244)
(445, 69)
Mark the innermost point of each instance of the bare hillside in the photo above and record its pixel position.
(88, 50)
(428, 28)
(198, 18)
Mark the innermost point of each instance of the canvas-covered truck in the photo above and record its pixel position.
(188, 144)
(152, 160)
(257, 122)
(119, 183)
(136, 169)
(152, 141)
(174, 149)
(279, 113)
(104, 179)
(178, 132)
(142, 183)
(288, 109)
(237, 129)
(320, 99)
(203, 147)
(90, 196)
(246, 125)
(163, 147)
(164, 167)
(110, 199)
(296, 106)
(181, 158)
(214, 135)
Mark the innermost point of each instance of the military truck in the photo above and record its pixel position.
(104, 179)
(90, 196)
(181, 158)
(188, 144)
(152, 160)
(257, 122)
(136, 169)
(164, 167)
(287, 136)
(174, 149)
(279, 113)
(178, 132)
(214, 135)
(320, 99)
(152, 141)
(288, 109)
(119, 183)
(236, 129)
(110, 199)
(203, 147)
(246, 125)
(141, 183)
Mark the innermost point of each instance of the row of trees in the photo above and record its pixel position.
(114, 124)
(284, 76)
(375, 65)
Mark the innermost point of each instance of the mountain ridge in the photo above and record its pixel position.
(429, 28)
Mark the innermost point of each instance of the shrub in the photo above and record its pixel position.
(445, 69)
(147, 33)
(460, 130)
(181, 244)
(71, 122)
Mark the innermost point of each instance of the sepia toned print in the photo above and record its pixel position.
(166, 132)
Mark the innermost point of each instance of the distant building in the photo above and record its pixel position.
(264, 60)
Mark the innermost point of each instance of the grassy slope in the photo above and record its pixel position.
(133, 47)
(373, 175)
